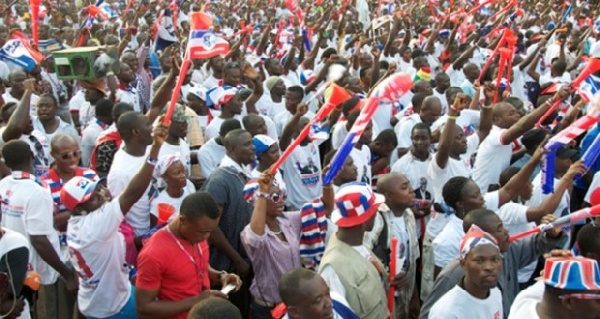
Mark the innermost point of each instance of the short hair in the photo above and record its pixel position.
(250, 119)
(507, 174)
(451, 93)
(516, 102)
(228, 126)
(297, 90)
(199, 204)
(104, 107)
(119, 109)
(210, 308)
(588, 239)
(128, 122)
(59, 137)
(452, 191)
(476, 217)
(387, 137)
(232, 137)
(15, 153)
(328, 157)
(289, 283)
(49, 96)
(430, 101)
(417, 101)
(348, 105)
(421, 126)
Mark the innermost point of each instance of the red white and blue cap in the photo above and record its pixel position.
(473, 238)
(355, 203)
(262, 143)
(77, 190)
(572, 273)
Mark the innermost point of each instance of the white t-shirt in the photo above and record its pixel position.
(12, 240)
(468, 120)
(446, 244)
(283, 117)
(265, 106)
(404, 128)
(303, 170)
(97, 251)
(362, 161)
(443, 100)
(457, 303)
(525, 304)
(29, 210)
(7, 97)
(538, 196)
(41, 150)
(415, 170)
(209, 156)
(122, 170)
(88, 141)
(439, 177)
(492, 159)
(214, 127)
(164, 197)
(129, 96)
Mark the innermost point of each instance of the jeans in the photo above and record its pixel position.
(260, 312)
(128, 311)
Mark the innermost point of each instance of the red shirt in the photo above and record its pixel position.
(166, 264)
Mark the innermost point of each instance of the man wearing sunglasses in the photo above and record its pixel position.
(67, 154)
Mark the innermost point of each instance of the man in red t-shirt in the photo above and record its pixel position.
(173, 272)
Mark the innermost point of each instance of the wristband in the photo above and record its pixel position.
(452, 117)
(151, 160)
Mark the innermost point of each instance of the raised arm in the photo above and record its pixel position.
(19, 121)
(528, 121)
(551, 202)
(163, 94)
(449, 132)
(259, 214)
(288, 131)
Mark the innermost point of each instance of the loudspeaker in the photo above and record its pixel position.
(76, 63)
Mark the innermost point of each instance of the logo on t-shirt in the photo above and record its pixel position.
(309, 173)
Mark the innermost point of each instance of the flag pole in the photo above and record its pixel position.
(177, 91)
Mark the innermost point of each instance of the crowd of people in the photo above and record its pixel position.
(116, 205)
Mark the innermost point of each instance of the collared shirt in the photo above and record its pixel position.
(229, 162)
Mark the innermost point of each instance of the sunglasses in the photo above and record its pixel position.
(278, 197)
(68, 155)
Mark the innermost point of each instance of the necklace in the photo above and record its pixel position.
(276, 233)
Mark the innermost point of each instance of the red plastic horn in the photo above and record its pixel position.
(592, 66)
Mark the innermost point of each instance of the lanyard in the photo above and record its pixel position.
(199, 271)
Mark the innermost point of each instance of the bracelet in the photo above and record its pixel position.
(550, 102)
(452, 117)
(151, 160)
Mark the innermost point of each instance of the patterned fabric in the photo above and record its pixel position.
(105, 153)
(572, 273)
(312, 233)
(355, 204)
(473, 238)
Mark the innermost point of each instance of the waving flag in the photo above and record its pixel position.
(18, 52)
(204, 43)
(165, 32)
(293, 6)
(589, 88)
(391, 89)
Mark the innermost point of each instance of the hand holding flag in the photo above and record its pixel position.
(202, 44)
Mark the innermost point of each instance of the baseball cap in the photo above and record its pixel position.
(565, 152)
(178, 113)
(77, 190)
(355, 203)
(572, 273)
(262, 143)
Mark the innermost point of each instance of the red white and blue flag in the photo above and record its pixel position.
(203, 42)
(589, 88)
(18, 52)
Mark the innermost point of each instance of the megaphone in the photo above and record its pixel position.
(592, 66)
